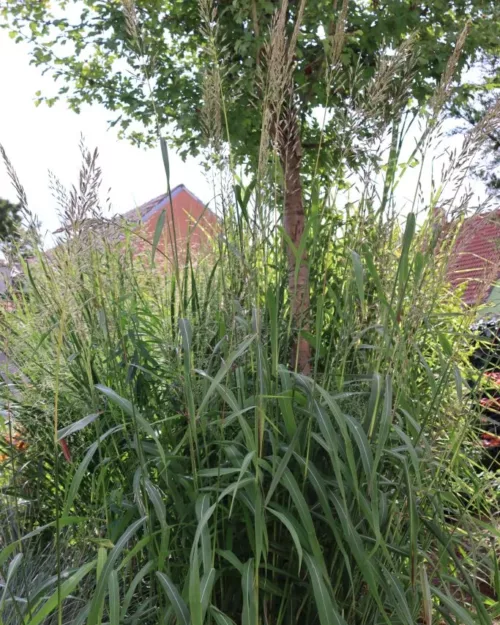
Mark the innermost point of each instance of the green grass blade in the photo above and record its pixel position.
(248, 615)
(113, 396)
(244, 468)
(102, 584)
(82, 469)
(400, 602)
(158, 504)
(373, 404)
(426, 596)
(232, 559)
(327, 613)
(363, 445)
(77, 426)
(160, 224)
(408, 236)
(114, 599)
(11, 571)
(195, 591)
(280, 469)
(67, 587)
(358, 274)
(129, 595)
(224, 370)
(226, 393)
(202, 506)
(206, 588)
(219, 617)
(177, 602)
(286, 519)
(304, 513)
(463, 616)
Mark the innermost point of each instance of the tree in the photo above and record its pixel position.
(478, 96)
(17, 234)
(10, 222)
(293, 56)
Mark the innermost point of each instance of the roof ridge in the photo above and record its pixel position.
(145, 210)
(481, 215)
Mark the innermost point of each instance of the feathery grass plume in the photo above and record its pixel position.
(209, 28)
(460, 162)
(145, 60)
(388, 90)
(213, 112)
(214, 72)
(131, 22)
(433, 122)
(333, 72)
(80, 208)
(338, 34)
(444, 88)
(217, 96)
(455, 170)
(31, 220)
(292, 45)
(59, 192)
(21, 193)
(275, 71)
(488, 124)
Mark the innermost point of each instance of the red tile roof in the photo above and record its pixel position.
(194, 223)
(137, 214)
(145, 211)
(476, 257)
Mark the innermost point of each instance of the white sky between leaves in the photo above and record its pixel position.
(41, 139)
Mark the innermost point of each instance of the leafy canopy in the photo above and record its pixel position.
(10, 221)
(119, 54)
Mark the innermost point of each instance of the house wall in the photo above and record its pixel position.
(194, 223)
(475, 259)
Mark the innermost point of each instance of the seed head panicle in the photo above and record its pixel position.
(443, 91)
(131, 22)
(339, 34)
(277, 77)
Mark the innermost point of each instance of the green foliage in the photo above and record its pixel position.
(10, 220)
(175, 467)
(209, 483)
(152, 63)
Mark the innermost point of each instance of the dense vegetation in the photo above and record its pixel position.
(174, 467)
(168, 456)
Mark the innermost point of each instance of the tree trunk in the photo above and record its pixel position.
(294, 224)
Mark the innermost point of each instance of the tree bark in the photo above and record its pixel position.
(294, 225)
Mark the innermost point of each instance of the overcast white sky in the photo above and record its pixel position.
(41, 139)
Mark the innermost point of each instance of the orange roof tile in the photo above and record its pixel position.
(475, 259)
